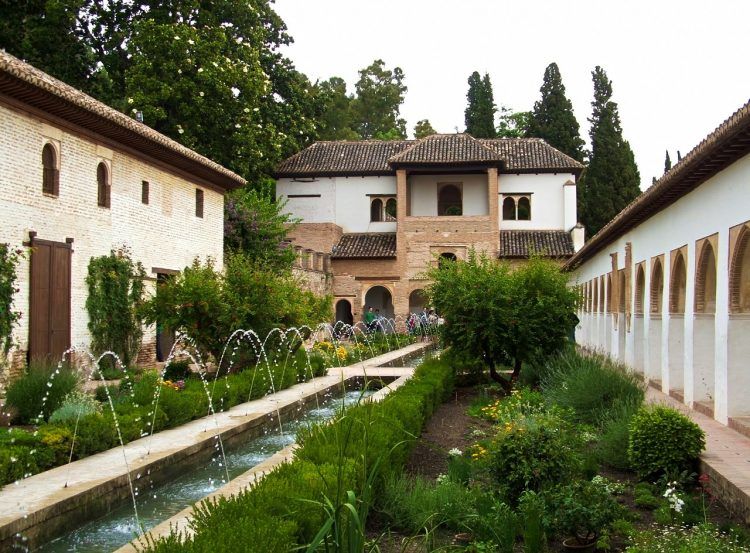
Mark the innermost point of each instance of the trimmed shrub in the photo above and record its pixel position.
(27, 393)
(76, 404)
(612, 447)
(590, 385)
(581, 510)
(177, 370)
(663, 440)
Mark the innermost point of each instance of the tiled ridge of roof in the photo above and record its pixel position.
(548, 243)
(378, 157)
(722, 147)
(446, 149)
(13, 68)
(365, 245)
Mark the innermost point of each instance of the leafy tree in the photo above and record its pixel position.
(423, 128)
(9, 259)
(611, 180)
(513, 124)
(256, 225)
(335, 121)
(500, 316)
(376, 107)
(667, 162)
(115, 298)
(552, 118)
(479, 115)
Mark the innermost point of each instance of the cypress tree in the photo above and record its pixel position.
(612, 180)
(667, 163)
(480, 110)
(552, 117)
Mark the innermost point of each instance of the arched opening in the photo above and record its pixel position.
(380, 300)
(595, 285)
(705, 281)
(376, 210)
(417, 301)
(601, 294)
(640, 290)
(50, 174)
(609, 293)
(739, 275)
(509, 209)
(446, 257)
(678, 284)
(738, 375)
(344, 312)
(657, 287)
(103, 187)
(449, 200)
(524, 209)
(621, 291)
(390, 209)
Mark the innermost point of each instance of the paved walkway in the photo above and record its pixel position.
(726, 459)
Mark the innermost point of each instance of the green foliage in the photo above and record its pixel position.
(502, 316)
(532, 507)
(379, 95)
(591, 385)
(336, 119)
(27, 393)
(76, 404)
(611, 180)
(533, 454)
(580, 509)
(513, 124)
(553, 119)
(479, 115)
(177, 370)
(521, 403)
(423, 129)
(495, 522)
(667, 162)
(698, 539)
(643, 496)
(115, 296)
(663, 440)
(612, 447)
(413, 504)
(256, 225)
(9, 259)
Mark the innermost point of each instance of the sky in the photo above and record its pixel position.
(678, 68)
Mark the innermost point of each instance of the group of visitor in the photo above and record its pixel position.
(374, 320)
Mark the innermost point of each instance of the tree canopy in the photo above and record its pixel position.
(376, 107)
(552, 117)
(336, 118)
(423, 128)
(479, 115)
(503, 316)
(611, 180)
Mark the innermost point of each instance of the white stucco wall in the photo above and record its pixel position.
(353, 202)
(424, 193)
(548, 201)
(312, 209)
(164, 234)
(714, 207)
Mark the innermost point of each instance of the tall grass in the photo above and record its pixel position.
(27, 394)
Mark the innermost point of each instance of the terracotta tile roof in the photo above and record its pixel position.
(549, 243)
(529, 154)
(441, 149)
(729, 142)
(363, 246)
(376, 157)
(27, 84)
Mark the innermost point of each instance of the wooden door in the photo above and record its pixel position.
(164, 336)
(49, 325)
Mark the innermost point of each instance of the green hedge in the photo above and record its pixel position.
(332, 459)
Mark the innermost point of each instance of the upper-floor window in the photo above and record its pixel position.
(199, 203)
(103, 185)
(516, 207)
(382, 209)
(50, 172)
(144, 192)
(450, 201)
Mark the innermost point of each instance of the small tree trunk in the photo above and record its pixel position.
(516, 369)
(497, 377)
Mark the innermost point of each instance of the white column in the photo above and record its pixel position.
(721, 321)
(688, 375)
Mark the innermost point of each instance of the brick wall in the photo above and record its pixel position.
(320, 237)
(164, 234)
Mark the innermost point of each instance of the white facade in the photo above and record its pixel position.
(693, 346)
(551, 208)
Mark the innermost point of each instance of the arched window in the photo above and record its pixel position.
(509, 209)
(601, 294)
(446, 257)
(449, 200)
(376, 210)
(390, 209)
(677, 285)
(595, 284)
(103, 185)
(705, 282)
(609, 293)
(50, 173)
(524, 209)
(640, 290)
(739, 276)
(621, 291)
(657, 287)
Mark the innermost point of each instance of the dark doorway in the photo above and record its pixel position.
(164, 335)
(49, 320)
(344, 312)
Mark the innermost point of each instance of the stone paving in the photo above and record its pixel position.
(726, 459)
(49, 498)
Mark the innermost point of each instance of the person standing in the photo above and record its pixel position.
(369, 318)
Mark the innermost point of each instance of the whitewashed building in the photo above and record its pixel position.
(386, 210)
(78, 179)
(666, 284)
